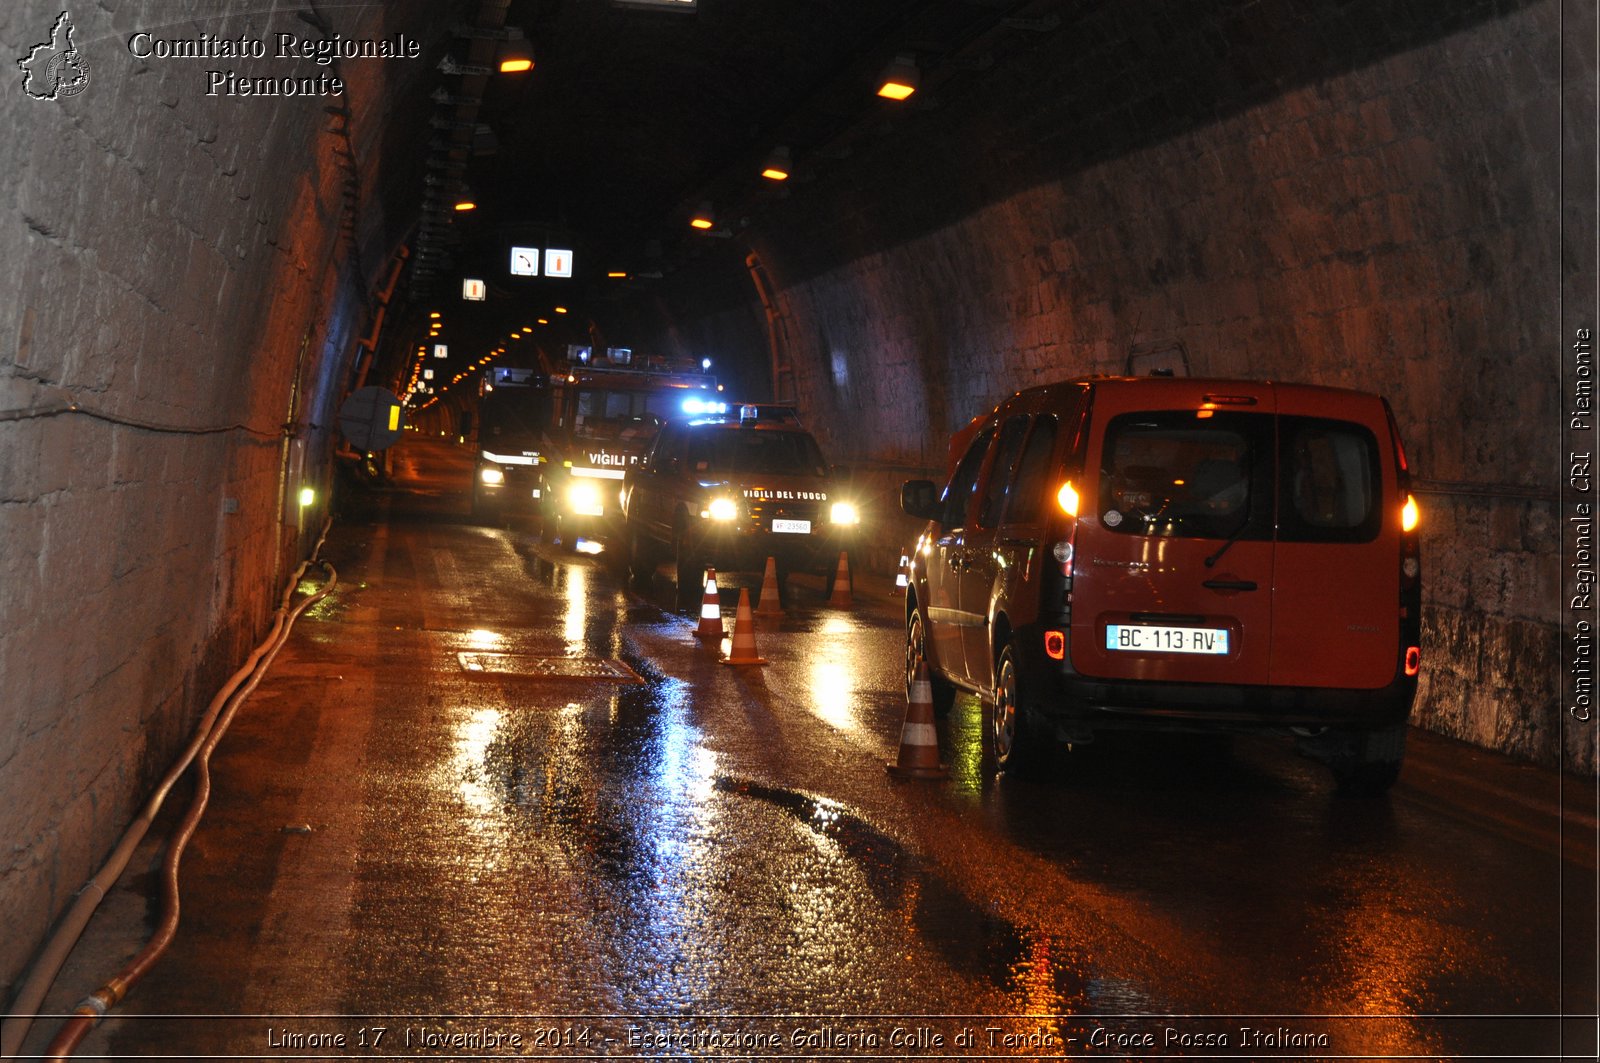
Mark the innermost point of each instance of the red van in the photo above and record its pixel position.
(1176, 553)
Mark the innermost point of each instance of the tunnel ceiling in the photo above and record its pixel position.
(633, 116)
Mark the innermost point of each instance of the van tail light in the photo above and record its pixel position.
(1413, 660)
(1055, 646)
(1067, 499)
(1410, 515)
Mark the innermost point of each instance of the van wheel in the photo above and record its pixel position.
(944, 695)
(690, 572)
(641, 560)
(563, 536)
(1015, 743)
(1368, 763)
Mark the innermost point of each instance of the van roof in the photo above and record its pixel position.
(1163, 387)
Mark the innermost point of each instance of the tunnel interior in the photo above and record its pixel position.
(1361, 194)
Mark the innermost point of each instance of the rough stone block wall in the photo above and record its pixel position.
(174, 267)
(1389, 225)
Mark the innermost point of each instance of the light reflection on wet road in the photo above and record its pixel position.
(725, 841)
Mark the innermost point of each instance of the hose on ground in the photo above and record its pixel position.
(208, 733)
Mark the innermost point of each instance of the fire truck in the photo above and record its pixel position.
(557, 442)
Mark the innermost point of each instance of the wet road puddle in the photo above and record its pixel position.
(1044, 973)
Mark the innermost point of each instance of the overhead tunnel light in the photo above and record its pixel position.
(515, 57)
(704, 217)
(776, 168)
(900, 78)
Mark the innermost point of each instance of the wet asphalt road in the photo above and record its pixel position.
(411, 832)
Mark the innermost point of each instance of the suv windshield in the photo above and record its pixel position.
(722, 452)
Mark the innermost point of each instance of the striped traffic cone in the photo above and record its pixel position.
(769, 604)
(901, 578)
(841, 584)
(743, 650)
(919, 739)
(710, 610)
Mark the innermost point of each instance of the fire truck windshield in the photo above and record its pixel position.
(605, 414)
(514, 413)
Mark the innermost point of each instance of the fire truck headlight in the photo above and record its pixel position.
(584, 498)
(491, 475)
(723, 509)
(844, 513)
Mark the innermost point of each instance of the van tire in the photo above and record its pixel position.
(944, 695)
(641, 567)
(1369, 762)
(1014, 743)
(689, 570)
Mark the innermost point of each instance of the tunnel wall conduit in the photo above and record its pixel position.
(212, 726)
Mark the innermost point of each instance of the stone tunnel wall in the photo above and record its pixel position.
(176, 271)
(1390, 227)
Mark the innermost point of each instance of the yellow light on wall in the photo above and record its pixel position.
(704, 217)
(561, 310)
(466, 205)
(616, 274)
(900, 78)
(307, 496)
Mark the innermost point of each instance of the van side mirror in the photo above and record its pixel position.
(920, 498)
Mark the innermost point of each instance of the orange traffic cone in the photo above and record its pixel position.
(841, 583)
(710, 610)
(743, 650)
(901, 578)
(769, 604)
(919, 740)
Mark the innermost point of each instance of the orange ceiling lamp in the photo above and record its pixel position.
(900, 79)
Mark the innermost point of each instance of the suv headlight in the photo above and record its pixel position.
(844, 513)
(722, 509)
(489, 474)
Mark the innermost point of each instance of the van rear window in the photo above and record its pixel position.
(1171, 473)
(1331, 487)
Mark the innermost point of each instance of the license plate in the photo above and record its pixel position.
(791, 527)
(1151, 638)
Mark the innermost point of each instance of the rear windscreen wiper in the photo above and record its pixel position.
(1240, 530)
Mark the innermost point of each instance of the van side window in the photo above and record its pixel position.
(1005, 456)
(1331, 486)
(1171, 473)
(958, 494)
(1031, 484)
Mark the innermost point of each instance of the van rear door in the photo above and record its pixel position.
(1336, 607)
(1173, 578)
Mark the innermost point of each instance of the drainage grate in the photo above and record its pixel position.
(548, 667)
